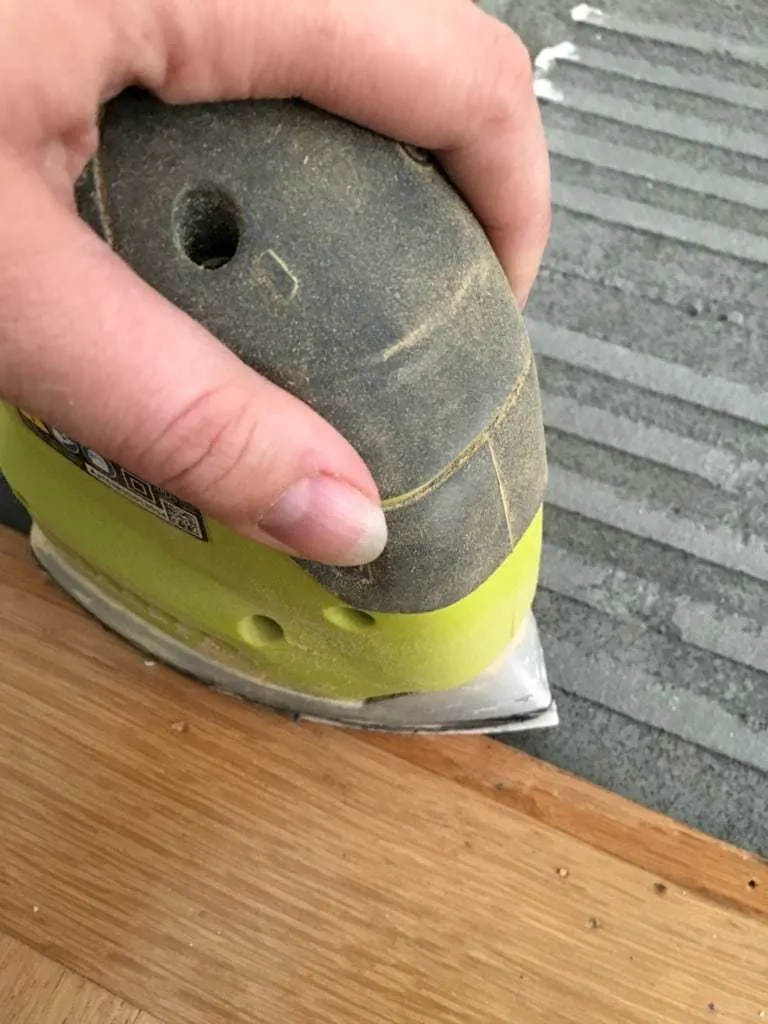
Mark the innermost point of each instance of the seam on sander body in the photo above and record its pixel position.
(484, 437)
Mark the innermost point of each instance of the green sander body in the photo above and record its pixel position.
(345, 268)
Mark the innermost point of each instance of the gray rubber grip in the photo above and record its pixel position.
(345, 268)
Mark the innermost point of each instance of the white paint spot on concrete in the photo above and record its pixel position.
(585, 12)
(550, 55)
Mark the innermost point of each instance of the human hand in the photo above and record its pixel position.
(90, 347)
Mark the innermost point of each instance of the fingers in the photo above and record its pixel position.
(127, 372)
(85, 344)
(435, 73)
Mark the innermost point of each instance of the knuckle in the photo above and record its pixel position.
(505, 77)
(206, 447)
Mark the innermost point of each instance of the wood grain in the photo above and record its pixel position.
(34, 990)
(243, 868)
(635, 834)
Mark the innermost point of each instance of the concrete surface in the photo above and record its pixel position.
(648, 322)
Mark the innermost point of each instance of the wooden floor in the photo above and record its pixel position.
(170, 855)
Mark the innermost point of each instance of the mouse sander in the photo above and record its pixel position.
(343, 266)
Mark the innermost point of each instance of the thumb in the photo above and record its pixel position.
(89, 346)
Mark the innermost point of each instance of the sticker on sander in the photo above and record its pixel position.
(152, 499)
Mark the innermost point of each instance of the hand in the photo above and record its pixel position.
(170, 402)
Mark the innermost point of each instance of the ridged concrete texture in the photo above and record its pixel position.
(649, 324)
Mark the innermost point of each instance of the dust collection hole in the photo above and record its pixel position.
(207, 226)
(260, 630)
(350, 619)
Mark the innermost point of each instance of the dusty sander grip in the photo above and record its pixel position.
(363, 285)
(345, 268)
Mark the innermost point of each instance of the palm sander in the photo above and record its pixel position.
(343, 266)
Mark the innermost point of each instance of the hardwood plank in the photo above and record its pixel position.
(608, 822)
(248, 868)
(34, 990)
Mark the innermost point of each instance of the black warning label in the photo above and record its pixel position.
(152, 499)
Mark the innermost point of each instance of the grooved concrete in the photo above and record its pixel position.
(648, 323)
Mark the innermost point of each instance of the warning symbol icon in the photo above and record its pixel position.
(100, 463)
(139, 486)
(66, 441)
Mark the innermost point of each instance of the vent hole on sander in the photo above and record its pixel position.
(207, 226)
(350, 619)
(260, 630)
